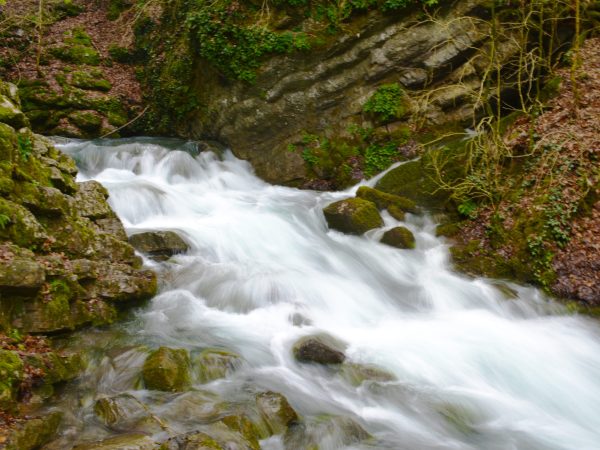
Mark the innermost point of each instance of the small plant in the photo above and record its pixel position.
(4, 221)
(387, 103)
(25, 147)
(468, 208)
(379, 157)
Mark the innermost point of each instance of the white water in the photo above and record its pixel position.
(264, 270)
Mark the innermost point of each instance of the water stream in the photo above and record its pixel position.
(479, 364)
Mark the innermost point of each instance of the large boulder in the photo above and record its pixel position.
(399, 237)
(159, 245)
(353, 216)
(318, 349)
(167, 369)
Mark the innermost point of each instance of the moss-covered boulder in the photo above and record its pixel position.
(124, 412)
(318, 349)
(167, 369)
(275, 411)
(11, 114)
(384, 200)
(11, 375)
(212, 364)
(90, 79)
(353, 216)
(399, 237)
(159, 245)
(33, 433)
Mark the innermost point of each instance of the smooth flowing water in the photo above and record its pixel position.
(478, 364)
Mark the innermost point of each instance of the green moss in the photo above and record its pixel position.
(399, 237)
(447, 229)
(77, 48)
(86, 121)
(167, 369)
(353, 216)
(384, 200)
(91, 80)
(11, 374)
(245, 427)
(34, 433)
(387, 103)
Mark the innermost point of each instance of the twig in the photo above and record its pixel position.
(127, 124)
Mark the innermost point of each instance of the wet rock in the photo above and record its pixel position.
(212, 364)
(121, 412)
(159, 245)
(399, 237)
(120, 282)
(167, 369)
(275, 411)
(91, 200)
(134, 441)
(194, 407)
(384, 200)
(356, 374)
(34, 433)
(11, 374)
(192, 441)
(225, 434)
(318, 349)
(353, 216)
(326, 432)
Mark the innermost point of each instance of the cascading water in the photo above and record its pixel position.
(475, 367)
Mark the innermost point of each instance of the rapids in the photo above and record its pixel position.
(480, 364)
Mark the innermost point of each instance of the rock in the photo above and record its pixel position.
(11, 114)
(121, 412)
(21, 274)
(396, 212)
(353, 216)
(399, 237)
(159, 245)
(34, 433)
(325, 432)
(192, 441)
(222, 435)
(167, 369)
(318, 349)
(195, 407)
(212, 364)
(356, 374)
(134, 441)
(91, 200)
(384, 200)
(11, 374)
(275, 411)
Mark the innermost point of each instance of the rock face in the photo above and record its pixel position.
(323, 91)
(167, 369)
(315, 349)
(399, 237)
(159, 245)
(62, 265)
(353, 216)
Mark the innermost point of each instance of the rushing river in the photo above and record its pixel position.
(478, 364)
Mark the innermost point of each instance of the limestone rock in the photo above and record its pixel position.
(318, 349)
(159, 245)
(167, 369)
(21, 274)
(91, 200)
(275, 411)
(353, 216)
(399, 237)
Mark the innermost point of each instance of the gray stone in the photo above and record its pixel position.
(159, 245)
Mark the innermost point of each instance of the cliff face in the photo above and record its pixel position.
(323, 92)
(64, 257)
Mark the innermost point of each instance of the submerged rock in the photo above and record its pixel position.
(275, 411)
(318, 349)
(399, 237)
(133, 441)
(159, 245)
(212, 364)
(353, 216)
(325, 432)
(167, 369)
(122, 412)
(356, 374)
(222, 435)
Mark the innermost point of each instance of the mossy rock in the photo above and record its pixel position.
(87, 121)
(124, 412)
(10, 113)
(11, 375)
(325, 431)
(195, 441)
(93, 80)
(21, 227)
(241, 424)
(21, 274)
(356, 374)
(275, 411)
(353, 216)
(133, 441)
(447, 229)
(34, 433)
(167, 369)
(396, 212)
(399, 237)
(212, 364)
(384, 200)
